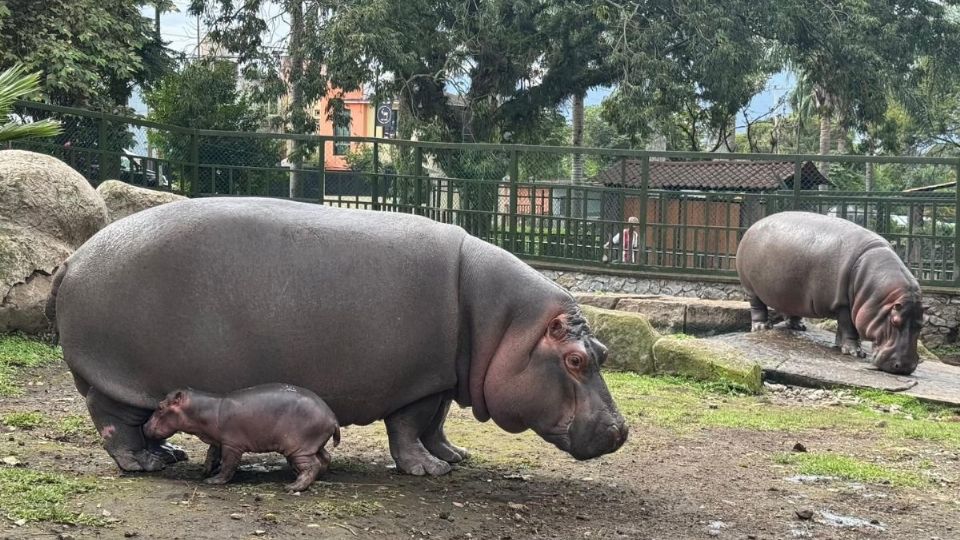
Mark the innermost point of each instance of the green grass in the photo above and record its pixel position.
(24, 420)
(683, 406)
(848, 468)
(76, 425)
(17, 351)
(35, 496)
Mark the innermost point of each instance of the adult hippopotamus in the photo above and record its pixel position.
(809, 265)
(383, 315)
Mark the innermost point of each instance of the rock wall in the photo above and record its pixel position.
(940, 325)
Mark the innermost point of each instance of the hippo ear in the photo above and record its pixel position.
(176, 399)
(557, 329)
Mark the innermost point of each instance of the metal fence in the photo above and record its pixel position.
(638, 211)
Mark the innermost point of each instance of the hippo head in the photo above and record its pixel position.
(549, 381)
(895, 332)
(169, 417)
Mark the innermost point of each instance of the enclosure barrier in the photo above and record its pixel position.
(643, 212)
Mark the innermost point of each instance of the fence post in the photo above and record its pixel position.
(323, 171)
(514, 187)
(797, 181)
(376, 179)
(418, 172)
(956, 227)
(644, 186)
(102, 147)
(195, 168)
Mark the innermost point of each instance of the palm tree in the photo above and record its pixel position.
(15, 83)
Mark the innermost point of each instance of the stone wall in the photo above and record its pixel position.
(940, 325)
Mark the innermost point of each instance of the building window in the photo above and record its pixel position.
(341, 128)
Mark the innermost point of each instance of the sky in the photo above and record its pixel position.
(181, 30)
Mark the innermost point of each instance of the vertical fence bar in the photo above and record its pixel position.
(195, 167)
(797, 181)
(956, 227)
(102, 147)
(418, 173)
(322, 172)
(514, 187)
(644, 196)
(375, 179)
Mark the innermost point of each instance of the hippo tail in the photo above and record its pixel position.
(50, 309)
(336, 437)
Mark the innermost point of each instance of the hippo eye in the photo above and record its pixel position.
(575, 361)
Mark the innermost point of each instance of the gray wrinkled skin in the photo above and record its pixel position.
(281, 418)
(384, 316)
(809, 265)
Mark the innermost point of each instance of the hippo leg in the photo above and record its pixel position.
(119, 425)
(229, 461)
(435, 440)
(848, 339)
(796, 323)
(759, 315)
(211, 465)
(307, 467)
(404, 429)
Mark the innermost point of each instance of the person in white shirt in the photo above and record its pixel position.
(629, 239)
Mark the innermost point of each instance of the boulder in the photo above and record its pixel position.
(706, 360)
(628, 337)
(47, 210)
(123, 199)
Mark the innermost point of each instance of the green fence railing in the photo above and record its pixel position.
(688, 209)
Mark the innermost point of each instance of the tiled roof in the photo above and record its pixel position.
(712, 175)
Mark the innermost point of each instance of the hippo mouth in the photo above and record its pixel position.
(560, 439)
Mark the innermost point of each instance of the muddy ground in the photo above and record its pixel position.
(698, 464)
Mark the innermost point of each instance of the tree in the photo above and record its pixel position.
(300, 74)
(91, 52)
(204, 95)
(15, 84)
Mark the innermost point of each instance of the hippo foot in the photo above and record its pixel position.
(169, 453)
(796, 325)
(760, 326)
(141, 461)
(215, 480)
(853, 350)
(446, 451)
(423, 465)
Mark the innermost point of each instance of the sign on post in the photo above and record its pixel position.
(387, 120)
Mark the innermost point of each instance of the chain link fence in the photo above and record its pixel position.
(668, 212)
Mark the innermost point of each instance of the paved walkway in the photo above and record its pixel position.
(809, 359)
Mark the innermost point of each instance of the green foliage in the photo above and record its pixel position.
(205, 95)
(91, 52)
(35, 496)
(24, 420)
(15, 84)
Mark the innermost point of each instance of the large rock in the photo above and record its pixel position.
(123, 199)
(674, 314)
(628, 336)
(47, 210)
(706, 360)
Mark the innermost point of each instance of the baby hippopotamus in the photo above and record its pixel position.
(265, 418)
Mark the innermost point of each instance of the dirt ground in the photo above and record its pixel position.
(674, 479)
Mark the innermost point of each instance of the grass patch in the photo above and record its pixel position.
(76, 425)
(35, 496)
(24, 420)
(19, 351)
(848, 468)
(685, 405)
(341, 509)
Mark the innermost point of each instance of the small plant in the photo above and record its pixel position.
(30, 495)
(76, 425)
(24, 420)
(16, 83)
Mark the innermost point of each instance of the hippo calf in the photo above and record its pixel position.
(279, 418)
(809, 265)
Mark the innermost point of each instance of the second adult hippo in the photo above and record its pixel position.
(809, 265)
(384, 316)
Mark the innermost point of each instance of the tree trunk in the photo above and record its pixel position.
(156, 20)
(825, 125)
(731, 134)
(297, 106)
(577, 174)
(841, 137)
